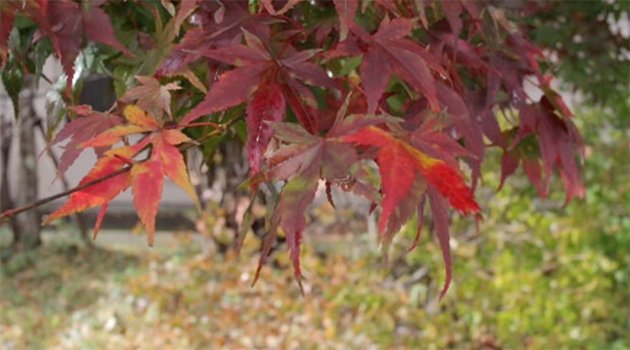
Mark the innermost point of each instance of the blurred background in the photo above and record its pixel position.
(533, 275)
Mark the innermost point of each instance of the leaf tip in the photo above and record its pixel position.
(445, 288)
(257, 275)
(298, 279)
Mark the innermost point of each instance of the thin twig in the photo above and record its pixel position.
(64, 182)
(214, 125)
(46, 78)
(9, 213)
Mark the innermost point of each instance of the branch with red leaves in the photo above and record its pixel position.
(397, 101)
(77, 128)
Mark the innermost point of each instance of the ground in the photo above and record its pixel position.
(173, 296)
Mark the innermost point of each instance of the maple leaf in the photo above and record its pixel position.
(218, 23)
(163, 142)
(104, 191)
(84, 127)
(256, 67)
(7, 16)
(346, 10)
(395, 155)
(151, 96)
(267, 105)
(558, 140)
(145, 177)
(405, 173)
(66, 24)
(147, 180)
(288, 5)
(388, 52)
(453, 11)
(401, 166)
(297, 194)
(301, 163)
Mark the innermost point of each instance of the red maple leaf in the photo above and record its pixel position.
(346, 10)
(257, 65)
(267, 105)
(275, 79)
(66, 23)
(84, 127)
(399, 162)
(301, 163)
(218, 24)
(7, 16)
(405, 170)
(388, 52)
(558, 141)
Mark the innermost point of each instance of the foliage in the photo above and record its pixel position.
(332, 90)
(145, 178)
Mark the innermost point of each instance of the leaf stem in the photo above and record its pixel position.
(214, 125)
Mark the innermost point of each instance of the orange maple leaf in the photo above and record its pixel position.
(103, 192)
(146, 177)
(147, 180)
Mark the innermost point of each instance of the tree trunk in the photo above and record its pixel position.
(6, 139)
(27, 225)
(226, 173)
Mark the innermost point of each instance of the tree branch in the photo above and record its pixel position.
(9, 213)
